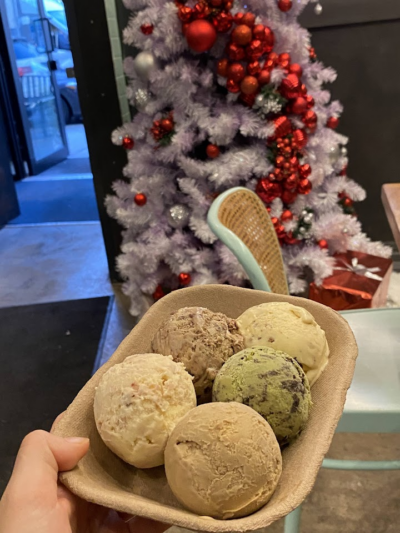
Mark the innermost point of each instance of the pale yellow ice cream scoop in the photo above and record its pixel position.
(290, 329)
(223, 460)
(138, 403)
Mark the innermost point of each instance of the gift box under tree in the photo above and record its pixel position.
(359, 281)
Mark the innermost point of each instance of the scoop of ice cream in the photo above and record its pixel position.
(223, 460)
(201, 340)
(289, 328)
(271, 383)
(138, 403)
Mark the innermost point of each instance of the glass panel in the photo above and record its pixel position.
(32, 64)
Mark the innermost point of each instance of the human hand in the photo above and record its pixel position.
(34, 500)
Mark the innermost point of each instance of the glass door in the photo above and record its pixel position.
(30, 47)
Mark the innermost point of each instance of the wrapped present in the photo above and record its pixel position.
(359, 281)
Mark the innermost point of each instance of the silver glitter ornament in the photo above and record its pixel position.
(142, 98)
(345, 230)
(318, 9)
(334, 153)
(178, 216)
(343, 151)
(302, 230)
(308, 218)
(259, 101)
(144, 63)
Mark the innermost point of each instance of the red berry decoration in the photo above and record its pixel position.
(332, 122)
(323, 244)
(299, 105)
(249, 85)
(213, 151)
(185, 13)
(286, 215)
(348, 202)
(147, 29)
(167, 125)
(232, 86)
(305, 186)
(295, 68)
(184, 278)
(140, 199)
(290, 86)
(248, 19)
(236, 72)
(128, 143)
(254, 68)
(242, 35)
(313, 55)
(235, 52)
(264, 78)
(222, 67)
(200, 35)
(305, 170)
(158, 293)
(223, 22)
(285, 5)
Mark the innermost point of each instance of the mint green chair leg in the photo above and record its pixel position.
(340, 464)
(292, 521)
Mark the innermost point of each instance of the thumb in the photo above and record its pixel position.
(40, 458)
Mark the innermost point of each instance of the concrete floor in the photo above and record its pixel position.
(54, 262)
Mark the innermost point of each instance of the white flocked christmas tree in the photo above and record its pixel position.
(228, 93)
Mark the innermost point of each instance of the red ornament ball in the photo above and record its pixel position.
(286, 215)
(264, 78)
(295, 68)
(255, 49)
(238, 18)
(288, 197)
(310, 119)
(283, 126)
(305, 186)
(268, 191)
(216, 3)
(128, 143)
(299, 105)
(249, 85)
(235, 52)
(283, 57)
(259, 32)
(254, 68)
(289, 239)
(348, 202)
(248, 19)
(213, 151)
(285, 5)
(323, 244)
(269, 37)
(312, 53)
(167, 125)
(200, 35)
(332, 122)
(242, 35)
(158, 293)
(140, 199)
(147, 29)
(248, 99)
(236, 72)
(184, 278)
(291, 182)
(300, 138)
(232, 86)
(222, 68)
(290, 86)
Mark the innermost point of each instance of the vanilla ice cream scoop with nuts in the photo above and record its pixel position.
(290, 329)
(137, 405)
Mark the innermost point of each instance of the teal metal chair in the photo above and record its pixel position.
(239, 219)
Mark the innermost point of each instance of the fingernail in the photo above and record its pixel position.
(76, 440)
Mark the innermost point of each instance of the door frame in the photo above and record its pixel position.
(35, 167)
(98, 95)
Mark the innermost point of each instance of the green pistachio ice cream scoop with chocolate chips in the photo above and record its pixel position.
(270, 382)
